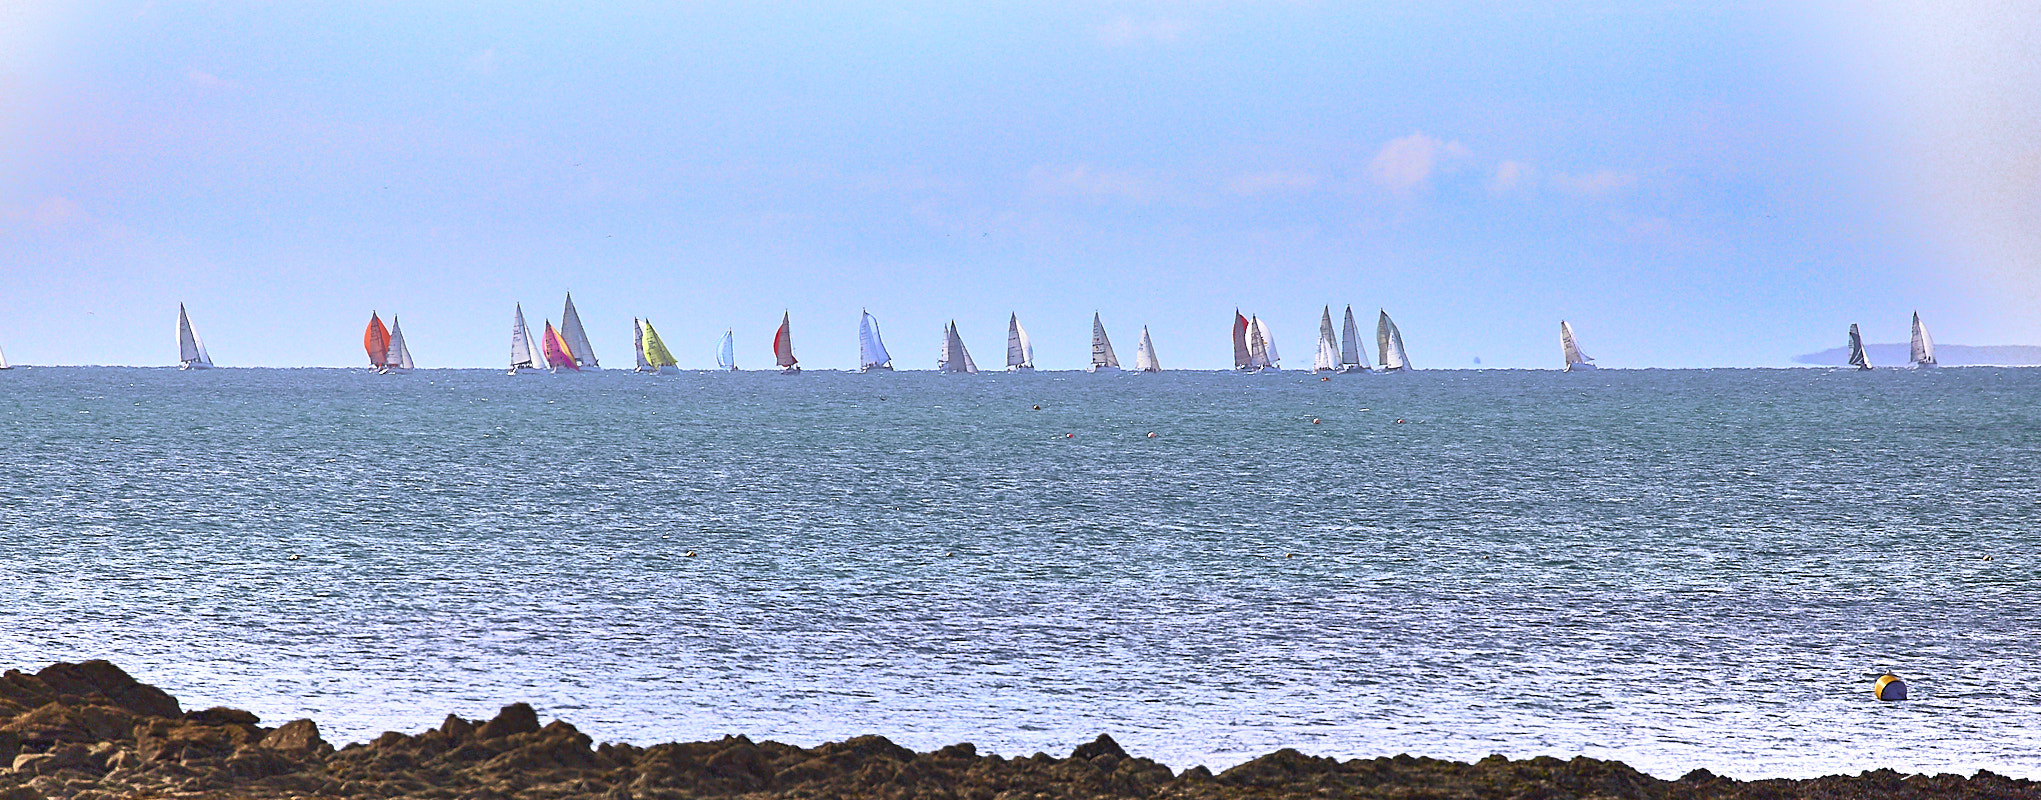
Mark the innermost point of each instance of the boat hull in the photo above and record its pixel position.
(876, 368)
(1020, 369)
(790, 370)
(1580, 368)
(1104, 369)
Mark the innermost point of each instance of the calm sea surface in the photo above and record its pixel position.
(1678, 569)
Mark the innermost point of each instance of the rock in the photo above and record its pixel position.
(218, 715)
(514, 719)
(103, 679)
(1103, 745)
(457, 729)
(20, 793)
(297, 736)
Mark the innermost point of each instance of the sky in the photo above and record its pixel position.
(1690, 184)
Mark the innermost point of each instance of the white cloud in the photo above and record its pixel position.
(1258, 183)
(1511, 176)
(1408, 163)
(1127, 31)
(1594, 184)
(1091, 184)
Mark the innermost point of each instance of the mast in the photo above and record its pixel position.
(1389, 341)
(638, 346)
(1102, 356)
(558, 355)
(1257, 347)
(1327, 358)
(191, 353)
(575, 338)
(1144, 356)
(400, 352)
(783, 346)
(1243, 359)
(1020, 353)
(1923, 354)
(1570, 348)
(377, 341)
(520, 342)
(872, 349)
(1351, 358)
(726, 352)
(1857, 358)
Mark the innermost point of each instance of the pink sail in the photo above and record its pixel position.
(557, 355)
(783, 344)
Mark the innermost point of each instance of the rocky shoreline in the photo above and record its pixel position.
(88, 731)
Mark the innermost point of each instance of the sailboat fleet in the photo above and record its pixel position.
(1339, 350)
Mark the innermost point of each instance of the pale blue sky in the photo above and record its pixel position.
(1691, 185)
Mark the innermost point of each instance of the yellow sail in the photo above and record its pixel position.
(656, 353)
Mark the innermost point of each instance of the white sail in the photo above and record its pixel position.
(1020, 353)
(1102, 357)
(1352, 357)
(1327, 358)
(638, 347)
(955, 358)
(3, 361)
(871, 349)
(520, 343)
(726, 352)
(400, 353)
(1576, 360)
(576, 338)
(1389, 342)
(1857, 357)
(783, 346)
(1270, 361)
(1257, 347)
(191, 353)
(1923, 345)
(1144, 356)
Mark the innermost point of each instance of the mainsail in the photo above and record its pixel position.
(871, 349)
(400, 353)
(726, 352)
(1575, 359)
(1857, 358)
(191, 353)
(955, 358)
(377, 340)
(1327, 358)
(1923, 345)
(783, 346)
(558, 355)
(1020, 353)
(1389, 342)
(3, 362)
(1269, 359)
(1242, 358)
(575, 338)
(1102, 357)
(653, 349)
(1257, 347)
(520, 343)
(1351, 358)
(638, 346)
(1144, 356)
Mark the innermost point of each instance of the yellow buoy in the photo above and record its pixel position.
(1890, 687)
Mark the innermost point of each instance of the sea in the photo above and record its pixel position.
(1678, 569)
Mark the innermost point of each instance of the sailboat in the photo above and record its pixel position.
(3, 362)
(1923, 345)
(1389, 343)
(954, 357)
(400, 353)
(726, 352)
(652, 353)
(1261, 347)
(191, 353)
(575, 338)
(783, 347)
(1243, 359)
(872, 349)
(521, 359)
(1857, 358)
(377, 341)
(1351, 357)
(1102, 357)
(1144, 356)
(1576, 361)
(558, 355)
(1020, 353)
(1327, 358)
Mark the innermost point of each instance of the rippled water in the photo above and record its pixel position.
(1678, 569)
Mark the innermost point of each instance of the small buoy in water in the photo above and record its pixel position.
(1325, 379)
(1987, 558)
(690, 554)
(1399, 422)
(1314, 420)
(294, 557)
(1151, 434)
(1069, 436)
(1038, 407)
(1890, 687)
(1289, 555)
